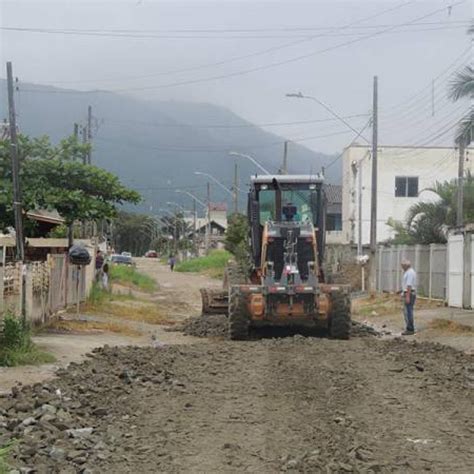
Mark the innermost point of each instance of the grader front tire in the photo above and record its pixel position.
(340, 321)
(238, 316)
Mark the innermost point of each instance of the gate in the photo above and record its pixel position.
(455, 270)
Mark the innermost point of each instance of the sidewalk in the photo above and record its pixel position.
(449, 326)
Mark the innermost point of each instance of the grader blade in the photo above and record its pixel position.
(214, 301)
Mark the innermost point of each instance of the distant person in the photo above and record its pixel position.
(105, 277)
(99, 263)
(408, 296)
(172, 262)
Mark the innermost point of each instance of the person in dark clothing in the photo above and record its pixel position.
(172, 262)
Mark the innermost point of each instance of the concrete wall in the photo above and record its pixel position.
(428, 164)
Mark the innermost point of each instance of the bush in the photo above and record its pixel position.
(16, 333)
(16, 346)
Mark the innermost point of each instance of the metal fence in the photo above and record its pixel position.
(49, 287)
(429, 262)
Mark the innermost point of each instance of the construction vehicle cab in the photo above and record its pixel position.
(285, 287)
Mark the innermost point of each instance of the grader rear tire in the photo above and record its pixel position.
(340, 322)
(238, 316)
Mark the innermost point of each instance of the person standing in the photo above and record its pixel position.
(105, 276)
(408, 297)
(99, 262)
(172, 262)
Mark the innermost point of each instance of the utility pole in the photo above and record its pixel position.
(284, 169)
(84, 142)
(208, 225)
(460, 204)
(17, 207)
(236, 188)
(373, 206)
(89, 133)
(196, 250)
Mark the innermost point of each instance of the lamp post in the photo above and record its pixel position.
(250, 158)
(205, 206)
(300, 95)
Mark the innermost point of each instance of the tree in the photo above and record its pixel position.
(237, 239)
(428, 222)
(54, 177)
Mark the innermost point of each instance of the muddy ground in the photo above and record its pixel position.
(296, 404)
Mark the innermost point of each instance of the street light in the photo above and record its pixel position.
(250, 158)
(299, 95)
(193, 196)
(225, 188)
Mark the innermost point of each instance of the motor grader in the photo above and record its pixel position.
(285, 285)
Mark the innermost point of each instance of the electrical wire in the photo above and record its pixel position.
(249, 55)
(250, 125)
(278, 63)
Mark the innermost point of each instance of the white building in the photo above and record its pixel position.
(404, 174)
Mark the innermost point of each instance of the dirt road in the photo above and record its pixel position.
(297, 404)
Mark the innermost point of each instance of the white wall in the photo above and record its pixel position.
(428, 164)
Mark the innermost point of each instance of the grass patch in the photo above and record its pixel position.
(129, 276)
(124, 306)
(213, 264)
(16, 346)
(450, 326)
(77, 326)
(4, 452)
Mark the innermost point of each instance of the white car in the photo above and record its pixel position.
(126, 254)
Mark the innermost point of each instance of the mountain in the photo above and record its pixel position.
(155, 146)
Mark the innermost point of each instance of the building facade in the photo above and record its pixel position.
(404, 176)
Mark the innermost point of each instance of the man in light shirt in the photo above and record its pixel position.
(408, 296)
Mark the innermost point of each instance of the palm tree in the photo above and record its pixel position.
(462, 86)
(428, 222)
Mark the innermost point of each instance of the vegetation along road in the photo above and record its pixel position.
(296, 404)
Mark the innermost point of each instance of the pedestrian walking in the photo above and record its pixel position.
(172, 262)
(408, 297)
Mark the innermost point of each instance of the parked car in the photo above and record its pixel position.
(126, 254)
(121, 260)
(151, 254)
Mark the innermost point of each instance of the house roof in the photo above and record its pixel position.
(44, 215)
(218, 206)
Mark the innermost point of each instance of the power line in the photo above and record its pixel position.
(279, 63)
(199, 149)
(261, 52)
(351, 143)
(125, 35)
(447, 70)
(250, 125)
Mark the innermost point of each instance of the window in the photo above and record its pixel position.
(406, 186)
(334, 222)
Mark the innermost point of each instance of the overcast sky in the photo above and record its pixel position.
(328, 49)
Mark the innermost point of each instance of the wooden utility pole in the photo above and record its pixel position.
(373, 206)
(17, 206)
(89, 134)
(236, 188)
(284, 169)
(460, 203)
(208, 225)
(84, 142)
(195, 240)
